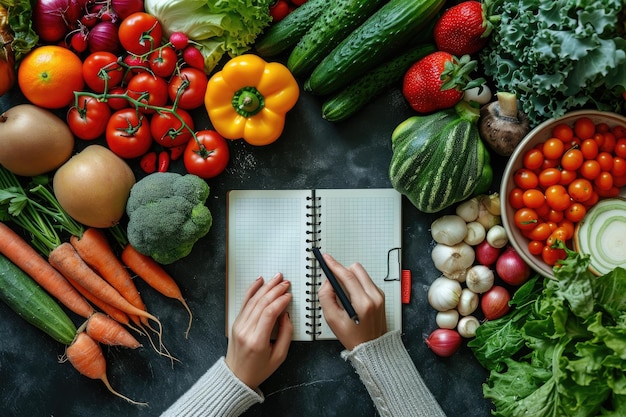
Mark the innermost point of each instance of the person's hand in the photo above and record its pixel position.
(367, 299)
(252, 356)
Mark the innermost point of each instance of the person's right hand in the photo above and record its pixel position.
(367, 299)
(252, 356)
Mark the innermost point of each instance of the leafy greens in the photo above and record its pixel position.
(24, 36)
(218, 26)
(558, 55)
(561, 351)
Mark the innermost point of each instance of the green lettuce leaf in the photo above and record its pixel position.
(220, 27)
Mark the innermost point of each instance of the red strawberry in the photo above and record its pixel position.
(463, 29)
(437, 81)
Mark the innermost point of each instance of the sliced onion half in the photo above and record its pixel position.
(602, 235)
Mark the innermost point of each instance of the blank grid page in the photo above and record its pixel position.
(362, 226)
(266, 236)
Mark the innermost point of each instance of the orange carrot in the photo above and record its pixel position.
(108, 331)
(14, 247)
(154, 275)
(86, 357)
(95, 250)
(117, 314)
(67, 261)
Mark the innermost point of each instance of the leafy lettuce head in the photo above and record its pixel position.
(218, 26)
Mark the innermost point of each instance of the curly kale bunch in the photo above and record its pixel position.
(167, 215)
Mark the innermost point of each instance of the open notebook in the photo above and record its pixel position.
(270, 231)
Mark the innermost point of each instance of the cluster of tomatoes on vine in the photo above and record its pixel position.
(140, 101)
(279, 9)
(562, 178)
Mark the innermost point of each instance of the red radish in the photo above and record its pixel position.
(179, 40)
(495, 302)
(486, 254)
(444, 342)
(193, 57)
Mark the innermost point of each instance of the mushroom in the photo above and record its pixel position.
(502, 125)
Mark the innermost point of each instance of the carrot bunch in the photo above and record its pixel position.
(82, 273)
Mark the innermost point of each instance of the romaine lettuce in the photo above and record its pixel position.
(219, 26)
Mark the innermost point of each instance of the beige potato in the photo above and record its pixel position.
(33, 140)
(93, 186)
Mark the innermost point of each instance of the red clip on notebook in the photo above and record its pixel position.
(406, 286)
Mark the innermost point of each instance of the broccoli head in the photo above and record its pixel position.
(167, 215)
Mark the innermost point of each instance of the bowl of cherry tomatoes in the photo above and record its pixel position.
(561, 169)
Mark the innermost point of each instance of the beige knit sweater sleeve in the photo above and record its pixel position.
(391, 378)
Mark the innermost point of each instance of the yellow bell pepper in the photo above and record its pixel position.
(249, 98)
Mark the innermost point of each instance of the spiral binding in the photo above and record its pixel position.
(314, 311)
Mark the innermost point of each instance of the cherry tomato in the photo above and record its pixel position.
(567, 176)
(609, 142)
(575, 212)
(279, 10)
(533, 159)
(117, 103)
(148, 162)
(535, 247)
(516, 198)
(208, 156)
(620, 148)
(101, 71)
(140, 33)
(589, 148)
(619, 131)
(555, 216)
(168, 130)
(525, 179)
(563, 132)
(192, 84)
(584, 128)
(553, 148)
(604, 182)
(552, 255)
(572, 159)
(590, 169)
(605, 159)
(148, 89)
(163, 61)
(549, 176)
(540, 232)
(592, 200)
(89, 119)
(557, 197)
(533, 198)
(164, 161)
(580, 189)
(526, 218)
(128, 133)
(619, 166)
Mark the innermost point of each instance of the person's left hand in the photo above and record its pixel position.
(252, 356)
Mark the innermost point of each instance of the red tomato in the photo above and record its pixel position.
(149, 89)
(89, 120)
(128, 133)
(163, 61)
(101, 71)
(167, 129)
(279, 10)
(140, 33)
(117, 103)
(192, 84)
(208, 156)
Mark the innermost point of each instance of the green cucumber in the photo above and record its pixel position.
(284, 34)
(439, 159)
(389, 29)
(336, 22)
(31, 302)
(360, 92)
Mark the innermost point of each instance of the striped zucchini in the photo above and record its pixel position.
(336, 21)
(439, 159)
(390, 28)
(284, 34)
(360, 92)
(33, 304)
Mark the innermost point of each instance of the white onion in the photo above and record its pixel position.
(444, 294)
(449, 229)
(479, 279)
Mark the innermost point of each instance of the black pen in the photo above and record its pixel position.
(336, 286)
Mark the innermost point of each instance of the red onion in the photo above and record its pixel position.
(53, 19)
(444, 342)
(511, 268)
(486, 254)
(495, 302)
(124, 8)
(104, 37)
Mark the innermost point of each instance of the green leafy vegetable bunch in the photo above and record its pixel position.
(558, 55)
(561, 351)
